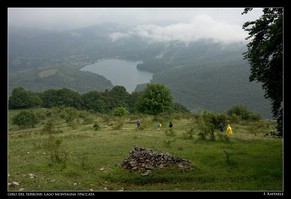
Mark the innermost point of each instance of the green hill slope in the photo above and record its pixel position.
(214, 88)
(57, 78)
(62, 155)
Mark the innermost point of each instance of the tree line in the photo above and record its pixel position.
(155, 99)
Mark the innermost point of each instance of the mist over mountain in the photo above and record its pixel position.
(203, 72)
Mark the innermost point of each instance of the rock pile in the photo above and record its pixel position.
(141, 159)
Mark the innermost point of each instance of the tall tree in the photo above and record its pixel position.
(61, 97)
(93, 101)
(265, 55)
(21, 99)
(132, 101)
(155, 99)
(119, 97)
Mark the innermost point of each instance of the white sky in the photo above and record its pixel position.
(184, 24)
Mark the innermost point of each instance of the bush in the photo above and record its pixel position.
(96, 127)
(205, 129)
(25, 119)
(243, 113)
(57, 154)
(50, 127)
(118, 125)
(69, 114)
(233, 118)
(189, 133)
(214, 119)
(120, 111)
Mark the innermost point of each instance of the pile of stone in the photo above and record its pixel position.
(145, 160)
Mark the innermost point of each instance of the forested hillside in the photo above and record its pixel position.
(57, 78)
(202, 75)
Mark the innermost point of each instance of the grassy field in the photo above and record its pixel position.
(73, 155)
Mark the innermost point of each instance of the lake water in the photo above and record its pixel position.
(120, 72)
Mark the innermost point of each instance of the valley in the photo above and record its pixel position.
(202, 75)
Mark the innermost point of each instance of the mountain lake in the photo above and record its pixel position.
(120, 72)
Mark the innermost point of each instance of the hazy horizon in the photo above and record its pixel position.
(155, 24)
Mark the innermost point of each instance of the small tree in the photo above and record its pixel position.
(25, 119)
(155, 99)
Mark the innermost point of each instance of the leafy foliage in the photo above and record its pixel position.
(62, 97)
(132, 101)
(242, 112)
(21, 98)
(119, 96)
(94, 100)
(97, 127)
(120, 111)
(155, 99)
(57, 154)
(265, 54)
(25, 119)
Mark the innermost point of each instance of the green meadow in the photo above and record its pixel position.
(82, 151)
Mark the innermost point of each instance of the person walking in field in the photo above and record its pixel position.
(170, 124)
(221, 127)
(229, 130)
(159, 125)
(138, 123)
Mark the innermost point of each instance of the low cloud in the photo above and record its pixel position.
(201, 27)
(119, 35)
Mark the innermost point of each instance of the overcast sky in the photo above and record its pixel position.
(184, 24)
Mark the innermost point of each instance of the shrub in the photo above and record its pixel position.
(120, 111)
(57, 154)
(25, 119)
(214, 120)
(233, 118)
(50, 127)
(118, 126)
(189, 133)
(202, 131)
(243, 113)
(96, 127)
(205, 129)
(69, 114)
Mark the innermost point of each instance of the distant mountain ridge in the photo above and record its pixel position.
(202, 75)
